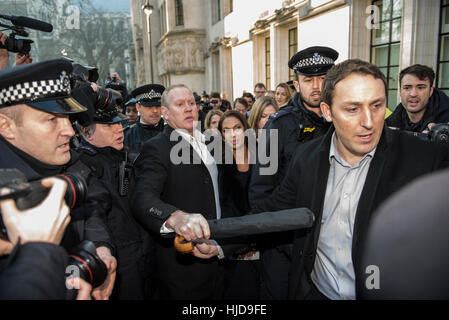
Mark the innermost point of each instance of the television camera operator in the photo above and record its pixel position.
(20, 59)
(36, 266)
(35, 130)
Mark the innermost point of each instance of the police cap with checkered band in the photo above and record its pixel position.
(43, 85)
(148, 95)
(313, 61)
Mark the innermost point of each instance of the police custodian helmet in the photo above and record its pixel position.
(149, 95)
(313, 61)
(43, 85)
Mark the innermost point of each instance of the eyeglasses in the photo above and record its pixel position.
(214, 101)
(260, 92)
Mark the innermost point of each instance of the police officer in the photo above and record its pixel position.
(102, 147)
(35, 132)
(131, 111)
(150, 122)
(300, 121)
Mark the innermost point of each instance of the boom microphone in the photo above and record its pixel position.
(29, 23)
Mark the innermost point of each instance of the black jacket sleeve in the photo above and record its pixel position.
(97, 206)
(150, 173)
(35, 270)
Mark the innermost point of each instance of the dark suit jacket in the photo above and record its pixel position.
(162, 187)
(399, 159)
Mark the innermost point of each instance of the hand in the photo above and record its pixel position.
(94, 86)
(429, 127)
(22, 59)
(205, 249)
(104, 291)
(4, 54)
(84, 288)
(44, 223)
(5, 247)
(116, 75)
(189, 225)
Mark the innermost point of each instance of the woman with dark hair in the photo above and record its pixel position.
(243, 275)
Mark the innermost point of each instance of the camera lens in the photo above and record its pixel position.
(76, 192)
(86, 261)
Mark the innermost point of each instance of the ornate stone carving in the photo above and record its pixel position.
(181, 54)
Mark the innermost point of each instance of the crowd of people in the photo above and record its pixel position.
(163, 162)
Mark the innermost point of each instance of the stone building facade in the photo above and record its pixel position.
(229, 45)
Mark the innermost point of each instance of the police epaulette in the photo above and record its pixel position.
(87, 149)
(87, 154)
(283, 112)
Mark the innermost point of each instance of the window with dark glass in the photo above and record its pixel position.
(216, 11)
(179, 13)
(443, 54)
(386, 43)
(267, 64)
(292, 49)
(162, 18)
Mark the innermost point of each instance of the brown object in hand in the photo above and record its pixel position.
(182, 246)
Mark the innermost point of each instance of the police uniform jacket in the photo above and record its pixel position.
(399, 158)
(133, 244)
(84, 224)
(295, 125)
(138, 133)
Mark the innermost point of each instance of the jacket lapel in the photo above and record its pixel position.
(368, 195)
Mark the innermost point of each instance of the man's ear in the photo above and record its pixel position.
(165, 113)
(7, 127)
(431, 90)
(296, 84)
(87, 133)
(326, 111)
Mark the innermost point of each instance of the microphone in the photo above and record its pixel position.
(29, 23)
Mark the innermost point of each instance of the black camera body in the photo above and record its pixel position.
(438, 134)
(18, 28)
(17, 45)
(29, 194)
(113, 83)
(83, 258)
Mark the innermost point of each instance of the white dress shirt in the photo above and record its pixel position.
(333, 272)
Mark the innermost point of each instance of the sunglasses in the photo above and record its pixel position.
(214, 101)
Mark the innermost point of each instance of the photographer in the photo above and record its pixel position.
(35, 132)
(422, 105)
(36, 268)
(20, 59)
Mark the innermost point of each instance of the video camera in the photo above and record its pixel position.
(102, 99)
(113, 83)
(29, 194)
(439, 134)
(18, 29)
